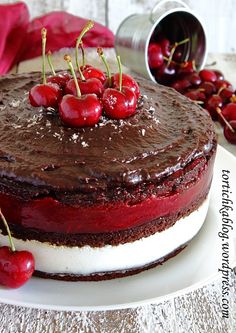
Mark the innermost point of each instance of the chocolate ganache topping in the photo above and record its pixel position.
(36, 149)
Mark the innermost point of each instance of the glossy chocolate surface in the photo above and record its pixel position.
(37, 151)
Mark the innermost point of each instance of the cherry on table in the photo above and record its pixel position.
(229, 111)
(196, 95)
(208, 88)
(208, 75)
(194, 79)
(181, 85)
(222, 83)
(212, 103)
(226, 93)
(16, 267)
(219, 74)
(230, 133)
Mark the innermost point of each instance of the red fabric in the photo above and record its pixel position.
(20, 39)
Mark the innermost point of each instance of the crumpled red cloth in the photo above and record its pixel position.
(20, 38)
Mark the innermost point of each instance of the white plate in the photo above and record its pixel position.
(194, 267)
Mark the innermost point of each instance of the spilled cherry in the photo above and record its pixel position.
(16, 267)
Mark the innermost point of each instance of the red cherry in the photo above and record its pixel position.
(155, 55)
(196, 95)
(90, 86)
(60, 79)
(181, 85)
(229, 134)
(229, 111)
(177, 56)
(214, 102)
(219, 74)
(80, 111)
(127, 81)
(16, 267)
(119, 104)
(187, 67)
(165, 74)
(207, 75)
(208, 88)
(165, 47)
(194, 79)
(46, 95)
(222, 83)
(226, 93)
(92, 72)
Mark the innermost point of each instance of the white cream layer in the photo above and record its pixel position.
(86, 260)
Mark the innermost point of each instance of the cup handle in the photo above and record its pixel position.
(163, 2)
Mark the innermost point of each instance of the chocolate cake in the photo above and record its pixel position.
(105, 201)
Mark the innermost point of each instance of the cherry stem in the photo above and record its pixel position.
(83, 53)
(44, 40)
(120, 72)
(68, 60)
(49, 54)
(221, 89)
(8, 231)
(174, 47)
(89, 25)
(101, 55)
(218, 110)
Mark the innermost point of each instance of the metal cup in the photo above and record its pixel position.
(176, 20)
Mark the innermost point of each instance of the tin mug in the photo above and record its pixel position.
(176, 20)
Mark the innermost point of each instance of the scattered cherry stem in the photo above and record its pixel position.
(89, 25)
(218, 110)
(49, 54)
(44, 39)
(101, 54)
(68, 60)
(8, 231)
(186, 40)
(120, 72)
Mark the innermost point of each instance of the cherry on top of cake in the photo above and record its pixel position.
(86, 95)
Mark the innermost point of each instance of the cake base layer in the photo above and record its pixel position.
(108, 275)
(79, 263)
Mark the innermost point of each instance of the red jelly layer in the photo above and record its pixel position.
(49, 215)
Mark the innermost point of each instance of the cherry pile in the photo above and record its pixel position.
(84, 95)
(206, 87)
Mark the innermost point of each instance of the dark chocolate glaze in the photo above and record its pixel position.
(39, 153)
